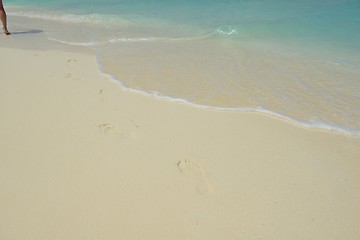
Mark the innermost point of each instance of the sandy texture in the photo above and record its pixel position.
(80, 158)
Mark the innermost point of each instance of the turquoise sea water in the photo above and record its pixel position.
(296, 59)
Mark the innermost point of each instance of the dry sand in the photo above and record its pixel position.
(80, 158)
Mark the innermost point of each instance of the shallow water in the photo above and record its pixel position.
(298, 60)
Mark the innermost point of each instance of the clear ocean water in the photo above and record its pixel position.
(299, 60)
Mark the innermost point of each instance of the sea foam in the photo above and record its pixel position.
(298, 61)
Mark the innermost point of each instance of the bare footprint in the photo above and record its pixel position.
(107, 128)
(194, 169)
(71, 76)
(71, 60)
(134, 124)
(112, 129)
(105, 94)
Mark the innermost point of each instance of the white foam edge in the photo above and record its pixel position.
(84, 44)
(144, 39)
(315, 124)
(124, 39)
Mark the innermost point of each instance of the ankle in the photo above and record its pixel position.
(6, 31)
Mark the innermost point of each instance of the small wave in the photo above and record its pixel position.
(311, 124)
(84, 44)
(125, 39)
(114, 40)
(227, 30)
(149, 39)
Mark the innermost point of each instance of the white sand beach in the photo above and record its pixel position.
(81, 158)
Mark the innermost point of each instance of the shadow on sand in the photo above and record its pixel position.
(31, 31)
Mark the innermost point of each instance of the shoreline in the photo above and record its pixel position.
(81, 158)
(315, 125)
(42, 28)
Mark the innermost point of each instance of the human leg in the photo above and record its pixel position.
(3, 18)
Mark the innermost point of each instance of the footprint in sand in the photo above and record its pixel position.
(71, 60)
(105, 94)
(107, 128)
(71, 76)
(134, 124)
(112, 129)
(197, 173)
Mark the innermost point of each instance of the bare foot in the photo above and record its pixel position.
(6, 32)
